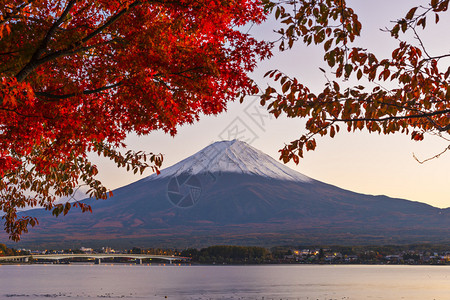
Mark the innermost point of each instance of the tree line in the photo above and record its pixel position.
(5, 251)
(228, 254)
(316, 254)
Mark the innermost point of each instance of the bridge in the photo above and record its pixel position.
(18, 258)
(97, 257)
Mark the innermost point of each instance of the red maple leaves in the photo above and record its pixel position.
(78, 76)
(420, 103)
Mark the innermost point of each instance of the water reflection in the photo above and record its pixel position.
(152, 281)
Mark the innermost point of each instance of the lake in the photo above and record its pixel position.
(342, 282)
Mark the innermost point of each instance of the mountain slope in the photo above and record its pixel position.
(231, 193)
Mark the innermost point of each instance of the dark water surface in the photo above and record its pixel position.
(224, 282)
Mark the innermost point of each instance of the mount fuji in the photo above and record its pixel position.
(232, 193)
(232, 157)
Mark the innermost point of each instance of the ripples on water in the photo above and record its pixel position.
(224, 282)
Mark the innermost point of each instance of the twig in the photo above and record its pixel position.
(428, 159)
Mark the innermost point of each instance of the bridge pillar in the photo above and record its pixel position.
(170, 261)
(139, 261)
(98, 261)
(26, 259)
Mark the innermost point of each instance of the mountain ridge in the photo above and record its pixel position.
(195, 203)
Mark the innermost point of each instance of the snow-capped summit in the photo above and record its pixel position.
(233, 157)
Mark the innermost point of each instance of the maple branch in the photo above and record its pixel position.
(319, 130)
(51, 31)
(34, 61)
(87, 92)
(427, 116)
(420, 41)
(10, 52)
(111, 21)
(68, 52)
(439, 57)
(422, 115)
(440, 135)
(431, 158)
(446, 128)
(425, 50)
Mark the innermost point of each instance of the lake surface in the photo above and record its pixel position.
(224, 282)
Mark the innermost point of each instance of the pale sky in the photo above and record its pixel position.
(361, 162)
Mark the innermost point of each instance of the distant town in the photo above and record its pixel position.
(412, 255)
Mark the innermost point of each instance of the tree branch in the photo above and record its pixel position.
(422, 115)
(34, 61)
(10, 52)
(430, 158)
(439, 57)
(111, 21)
(421, 43)
(70, 51)
(87, 92)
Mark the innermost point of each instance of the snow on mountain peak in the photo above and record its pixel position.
(232, 157)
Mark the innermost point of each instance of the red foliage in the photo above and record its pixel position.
(78, 76)
(420, 103)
